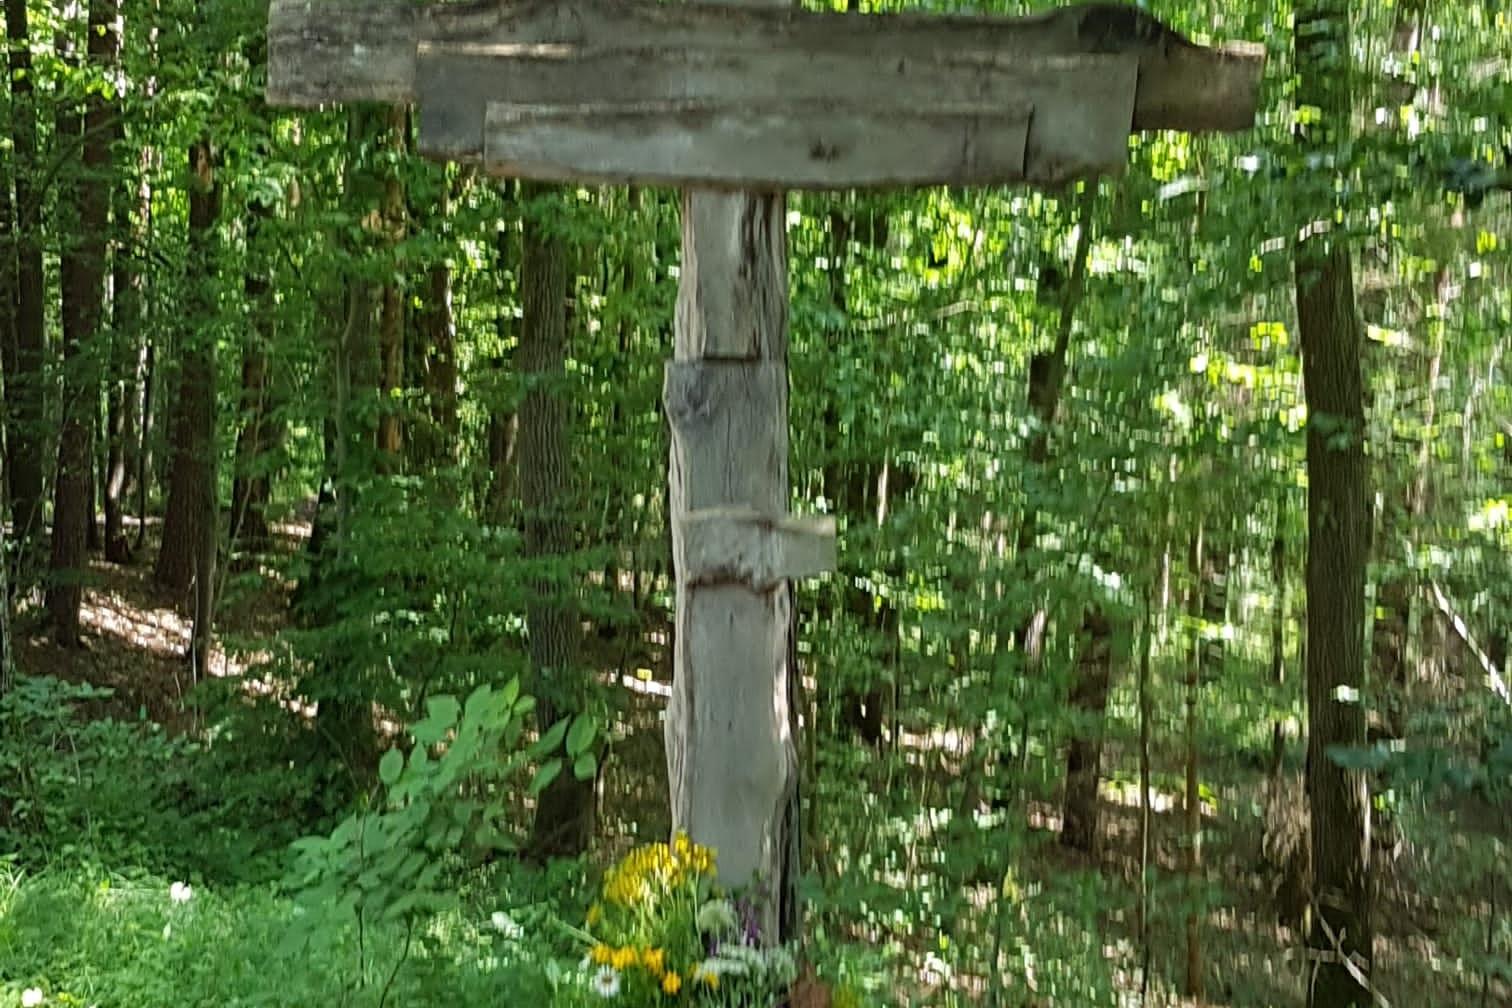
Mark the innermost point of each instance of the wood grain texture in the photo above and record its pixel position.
(1082, 105)
(790, 147)
(345, 50)
(744, 546)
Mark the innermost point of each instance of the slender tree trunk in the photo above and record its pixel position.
(121, 390)
(25, 414)
(563, 823)
(1209, 611)
(1341, 938)
(391, 305)
(147, 382)
(436, 333)
(189, 519)
(82, 271)
(503, 425)
(256, 439)
(1278, 636)
(1089, 701)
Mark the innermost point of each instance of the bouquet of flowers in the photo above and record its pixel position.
(664, 932)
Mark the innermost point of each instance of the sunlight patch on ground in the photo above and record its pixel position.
(161, 631)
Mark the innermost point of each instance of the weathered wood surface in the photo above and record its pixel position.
(787, 147)
(322, 51)
(731, 545)
(731, 755)
(1082, 106)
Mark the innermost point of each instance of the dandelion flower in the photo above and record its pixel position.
(623, 958)
(180, 892)
(672, 983)
(601, 954)
(606, 982)
(655, 961)
(31, 997)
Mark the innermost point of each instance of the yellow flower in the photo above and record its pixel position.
(595, 914)
(623, 958)
(601, 954)
(708, 978)
(672, 983)
(655, 961)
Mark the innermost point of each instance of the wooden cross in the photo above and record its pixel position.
(738, 104)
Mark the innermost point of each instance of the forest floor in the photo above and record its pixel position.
(1438, 890)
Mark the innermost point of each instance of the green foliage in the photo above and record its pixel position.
(440, 806)
(75, 786)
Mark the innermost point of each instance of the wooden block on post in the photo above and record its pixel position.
(744, 546)
(771, 146)
(1083, 106)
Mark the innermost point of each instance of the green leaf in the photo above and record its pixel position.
(580, 737)
(552, 739)
(443, 708)
(544, 776)
(390, 766)
(585, 766)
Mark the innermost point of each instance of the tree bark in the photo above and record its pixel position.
(1089, 702)
(1209, 610)
(82, 272)
(391, 301)
(563, 823)
(256, 441)
(24, 352)
(1341, 938)
(189, 519)
(121, 391)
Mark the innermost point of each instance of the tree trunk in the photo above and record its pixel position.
(503, 425)
(82, 272)
(1089, 702)
(147, 381)
(1209, 611)
(391, 302)
(188, 521)
(25, 432)
(256, 441)
(563, 824)
(121, 389)
(1341, 937)
(434, 440)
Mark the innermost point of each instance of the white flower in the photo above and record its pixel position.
(180, 892)
(606, 982)
(716, 917)
(719, 966)
(749, 957)
(31, 997)
(780, 961)
(505, 925)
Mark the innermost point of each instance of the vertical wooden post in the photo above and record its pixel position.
(731, 757)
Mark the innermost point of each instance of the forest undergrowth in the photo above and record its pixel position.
(150, 861)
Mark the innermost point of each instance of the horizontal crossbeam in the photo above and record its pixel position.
(782, 118)
(323, 51)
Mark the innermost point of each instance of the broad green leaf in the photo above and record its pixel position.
(545, 775)
(584, 767)
(580, 736)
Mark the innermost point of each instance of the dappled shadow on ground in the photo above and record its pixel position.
(136, 642)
